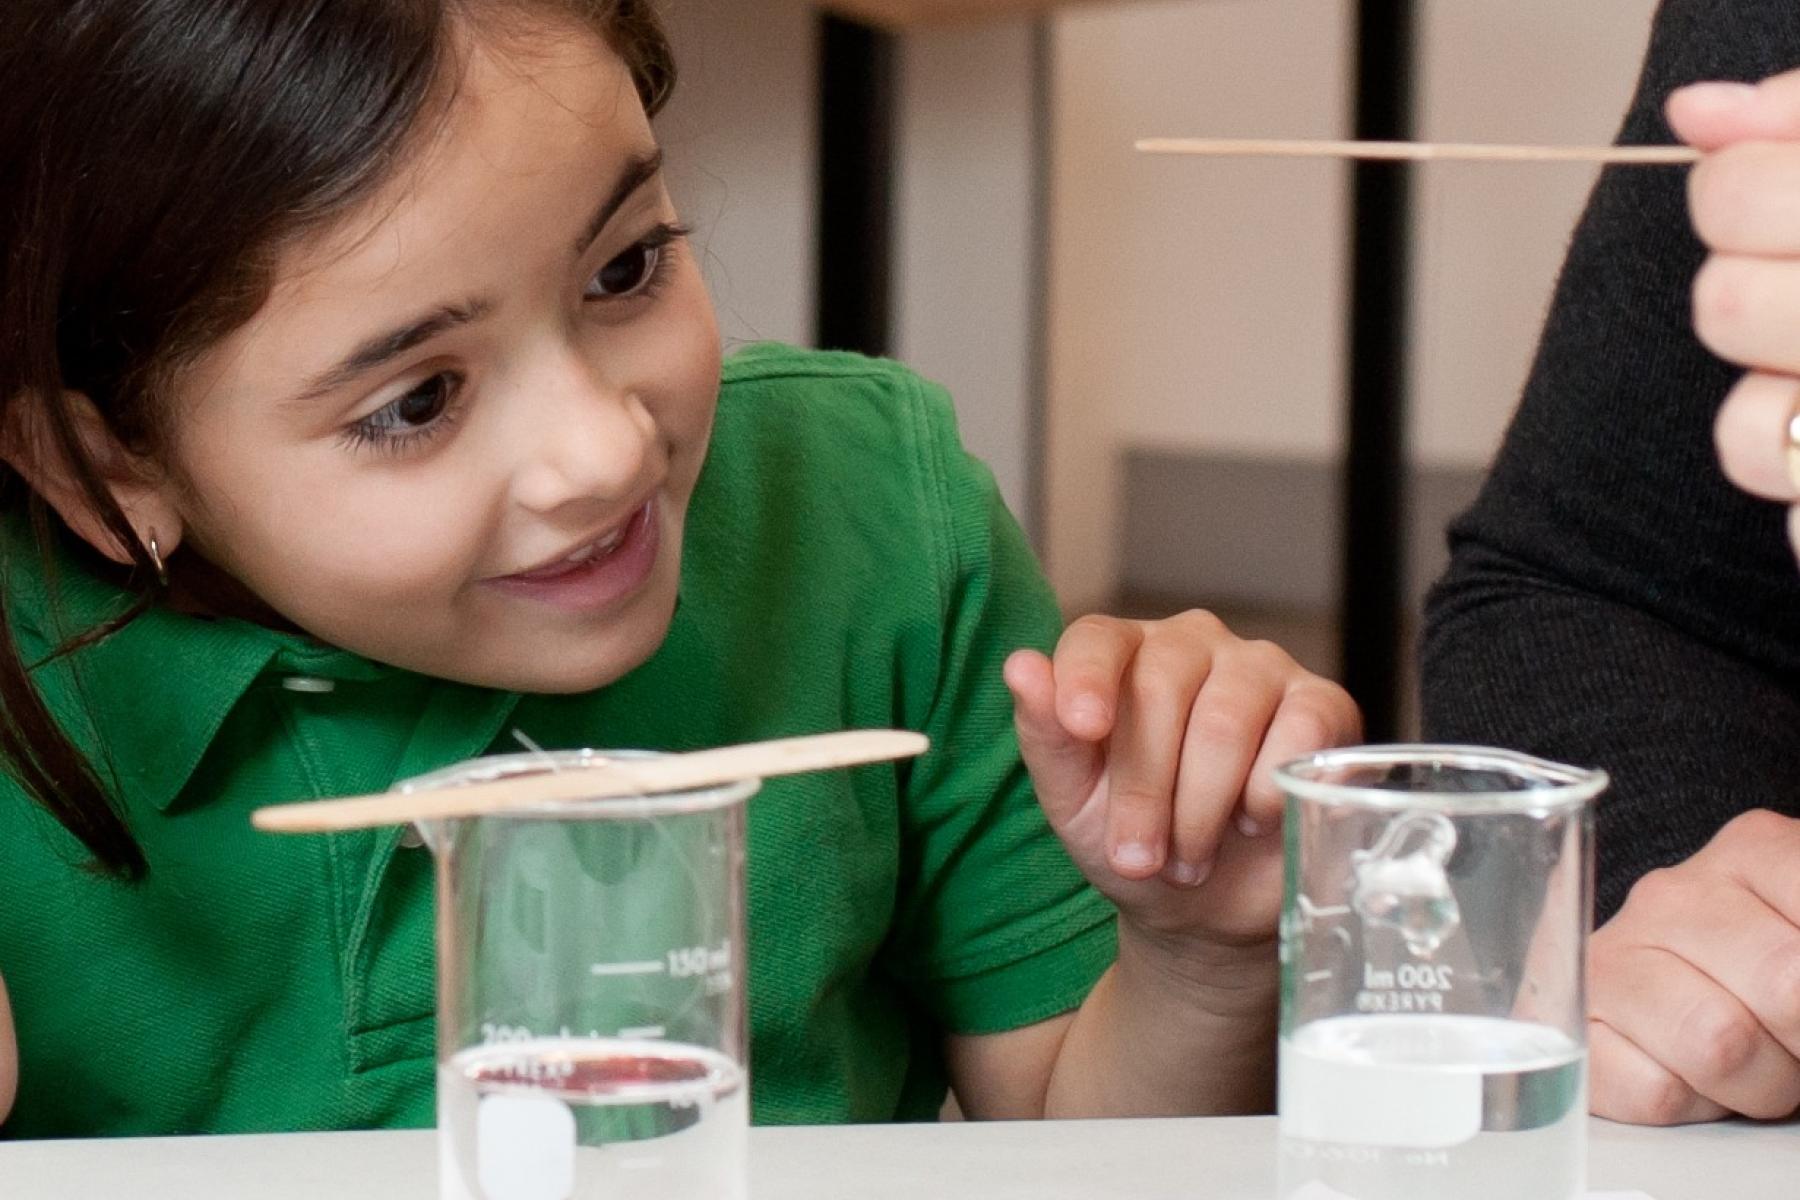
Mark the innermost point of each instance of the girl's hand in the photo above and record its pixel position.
(1745, 201)
(1151, 743)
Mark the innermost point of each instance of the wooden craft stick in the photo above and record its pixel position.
(610, 778)
(1420, 151)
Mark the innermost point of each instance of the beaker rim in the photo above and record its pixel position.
(1542, 785)
(604, 808)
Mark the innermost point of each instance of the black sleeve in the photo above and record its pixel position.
(1612, 600)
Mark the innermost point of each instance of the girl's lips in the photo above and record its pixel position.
(599, 581)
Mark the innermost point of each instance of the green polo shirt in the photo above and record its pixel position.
(847, 565)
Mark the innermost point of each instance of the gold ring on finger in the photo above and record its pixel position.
(1793, 446)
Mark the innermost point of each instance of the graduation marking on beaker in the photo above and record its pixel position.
(627, 968)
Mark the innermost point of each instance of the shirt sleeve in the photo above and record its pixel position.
(996, 928)
(1612, 600)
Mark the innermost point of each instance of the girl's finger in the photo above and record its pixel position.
(1091, 658)
(1315, 714)
(1225, 728)
(1746, 310)
(1145, 751)
(1710, 115)
(1752, 435)
(9, 1056)
(1745, 199)
(1064, 768)
(1626, 1084)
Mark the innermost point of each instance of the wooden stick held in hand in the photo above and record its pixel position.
(606, 779)
(1419, 151)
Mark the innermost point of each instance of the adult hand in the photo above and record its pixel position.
(1745, 201)
(1695, 985)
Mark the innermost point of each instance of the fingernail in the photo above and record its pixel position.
(1190, 874)
(1088, 710)
(1248, 827)
(1719, 97)
(1133, 856)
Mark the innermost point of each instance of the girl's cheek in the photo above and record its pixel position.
(394, 541)
(681, 351)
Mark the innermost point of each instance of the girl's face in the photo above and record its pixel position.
(462, 434)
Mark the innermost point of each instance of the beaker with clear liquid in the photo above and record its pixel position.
(1433, 1009)
(591, 1021)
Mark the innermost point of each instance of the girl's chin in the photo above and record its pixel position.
(571, 664)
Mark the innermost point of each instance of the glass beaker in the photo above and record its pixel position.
(1433, 1008)
(591, 1024)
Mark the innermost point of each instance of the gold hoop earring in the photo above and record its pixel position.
(156, 559)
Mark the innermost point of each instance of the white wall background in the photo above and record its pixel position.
(740, 136)
(1192, 304)
(1490, 239)
(1196, 305)
(966, 312)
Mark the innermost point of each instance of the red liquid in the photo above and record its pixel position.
(592, 1076)
(645, 1120)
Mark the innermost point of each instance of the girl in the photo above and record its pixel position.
(363, 405)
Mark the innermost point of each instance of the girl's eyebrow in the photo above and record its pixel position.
(639, 170)
(384, 347)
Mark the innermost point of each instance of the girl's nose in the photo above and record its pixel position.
(583, 439)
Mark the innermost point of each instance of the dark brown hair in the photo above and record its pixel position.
(153, 155)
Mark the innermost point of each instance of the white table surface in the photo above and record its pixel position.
(1075, 1160)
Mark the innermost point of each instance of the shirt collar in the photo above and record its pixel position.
(146, 703)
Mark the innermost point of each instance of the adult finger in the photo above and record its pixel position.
(1626, 1084)
(1710, 115)
(1745, 199)
(1751, 434)
(1747, 309)
(1752, 953)
(1695, 1028)
(1759, 850)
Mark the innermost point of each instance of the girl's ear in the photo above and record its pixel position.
(139, 486)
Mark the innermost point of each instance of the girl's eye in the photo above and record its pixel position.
(410, 419)
(626, 273)
(637, 271)
(424, 404)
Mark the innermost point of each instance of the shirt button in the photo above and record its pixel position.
(310, 684)
(411, 838)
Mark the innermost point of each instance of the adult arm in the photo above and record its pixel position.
(1612, 600)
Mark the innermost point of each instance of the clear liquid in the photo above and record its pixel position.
(1414, 1107)
(591, 1119)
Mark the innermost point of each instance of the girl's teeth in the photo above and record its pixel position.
(594, 550)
